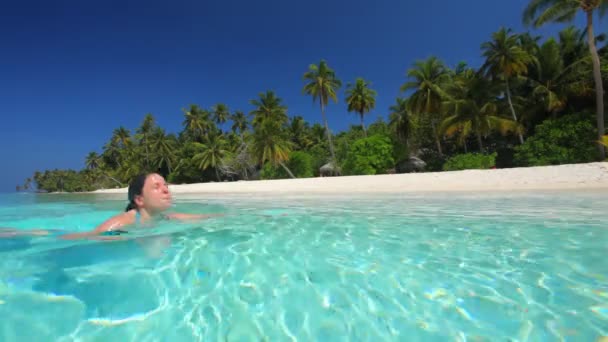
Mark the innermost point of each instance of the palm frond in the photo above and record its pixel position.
(558, 11)
(504, 126)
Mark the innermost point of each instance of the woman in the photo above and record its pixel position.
(149, 199)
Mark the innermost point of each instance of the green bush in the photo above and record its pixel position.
(566, 140)
(369, 156)
(299, 163)
(270, 171)
(186, 170)
(343, 143)
(470, 161)
(319, 156)
(378, 127)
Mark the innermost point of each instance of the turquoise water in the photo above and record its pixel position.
(433, 267)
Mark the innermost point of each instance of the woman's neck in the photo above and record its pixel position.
(148, 215)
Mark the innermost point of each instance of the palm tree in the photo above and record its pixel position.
(323, 85)
(164, 147)
(239, 123)
(506, 59)
(269, 141)
(113, 150)
(572, 44)
(528, 42)
(361, 99)
(555, 80)
(540, 12)
(112, 153)
(211, 153)
(143, 134)
(268, 107)
(316, 133)
(234, 141)
(549, 82)
(130, 167)
(220, 113)
(400, 120)
(196, 122)
(122, 137)
(271, 145)
(298, 129)
(471, 110)
(429, 77)
(92, 161)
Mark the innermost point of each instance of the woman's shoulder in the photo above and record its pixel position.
(118, 220)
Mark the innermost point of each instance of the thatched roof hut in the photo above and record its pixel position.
(328, 169)
(411, 164)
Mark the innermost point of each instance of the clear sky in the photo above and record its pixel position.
(72, 71)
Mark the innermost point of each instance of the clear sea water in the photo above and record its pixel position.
(408, 267)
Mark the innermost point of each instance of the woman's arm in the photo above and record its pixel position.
(12, 232)
(112, 223)
(181, 216)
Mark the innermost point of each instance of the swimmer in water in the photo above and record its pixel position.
(149, 199)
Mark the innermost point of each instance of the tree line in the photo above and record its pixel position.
(531, 102)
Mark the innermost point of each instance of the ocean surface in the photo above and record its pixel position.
(523, 266)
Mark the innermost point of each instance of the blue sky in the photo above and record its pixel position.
(72, 71)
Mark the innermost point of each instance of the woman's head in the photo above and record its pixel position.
(149, 191)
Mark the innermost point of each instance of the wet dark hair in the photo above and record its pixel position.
(136, 188)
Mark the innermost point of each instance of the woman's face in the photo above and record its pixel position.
(155, 194)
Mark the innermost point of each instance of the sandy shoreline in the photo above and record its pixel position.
(592, 176)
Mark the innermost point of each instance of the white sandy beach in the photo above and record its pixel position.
(592, 176)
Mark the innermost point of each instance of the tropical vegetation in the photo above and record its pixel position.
(533, 101)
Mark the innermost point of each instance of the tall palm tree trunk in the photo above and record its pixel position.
(217, 174)
(480, 142)
(112, 178)
(331, 145)
(363, 125)
(521, 137)
(147, 156)
(286, 169)
(599, 88)
(436, 134)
